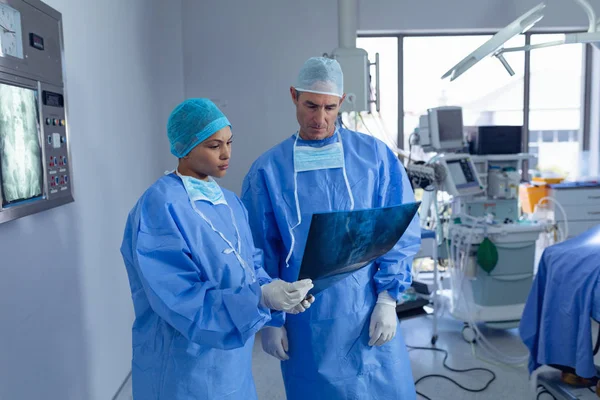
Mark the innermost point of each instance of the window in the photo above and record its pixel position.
(555, 105)
(487, 93)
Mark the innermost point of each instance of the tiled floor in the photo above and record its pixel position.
(510, 383)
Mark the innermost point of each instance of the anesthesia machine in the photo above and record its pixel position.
(471, 201)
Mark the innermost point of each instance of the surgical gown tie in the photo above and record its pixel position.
(313, 159)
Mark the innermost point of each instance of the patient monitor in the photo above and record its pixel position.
(441, 129)
(35, 164)
(461, 176)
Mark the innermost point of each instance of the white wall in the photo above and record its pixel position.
(249, 57)
(65, 302)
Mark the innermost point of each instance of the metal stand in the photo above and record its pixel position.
(429, 248)
(551, 381)
(434, 297)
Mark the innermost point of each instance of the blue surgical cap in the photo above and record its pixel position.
(321, 75)
(191, 123)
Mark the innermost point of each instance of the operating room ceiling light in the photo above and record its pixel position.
(495, 46)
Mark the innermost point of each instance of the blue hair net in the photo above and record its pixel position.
(321, 75)
(191, 123)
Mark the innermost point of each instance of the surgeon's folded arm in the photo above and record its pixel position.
(204, 314)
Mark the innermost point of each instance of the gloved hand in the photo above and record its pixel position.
(275, 342)
(304, 305)
(383, 320)
(283, 296)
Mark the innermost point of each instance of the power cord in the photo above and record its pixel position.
(411, 144)
(341, 121)
(493, 378)
(543, 391)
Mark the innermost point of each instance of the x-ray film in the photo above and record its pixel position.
(20, 152)
(342, 242)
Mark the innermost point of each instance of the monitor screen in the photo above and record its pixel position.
(457, 173)
(450, 125)
(462, 173)
(20, 152)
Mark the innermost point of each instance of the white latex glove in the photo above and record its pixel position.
(275, 342)
(283, 296)
(383, 320)
(304, 305)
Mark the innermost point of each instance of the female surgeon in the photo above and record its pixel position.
(198, 287)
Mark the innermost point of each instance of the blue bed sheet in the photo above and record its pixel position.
(556, 325)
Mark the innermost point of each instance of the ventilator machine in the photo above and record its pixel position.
(471, 201)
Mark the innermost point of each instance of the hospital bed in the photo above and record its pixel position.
(559, 324)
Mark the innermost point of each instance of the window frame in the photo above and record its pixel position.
(584, 130)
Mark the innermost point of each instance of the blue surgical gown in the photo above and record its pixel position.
(195, 315)
(556, 325)
(328, 344)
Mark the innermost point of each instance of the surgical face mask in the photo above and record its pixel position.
(308, 158)
(203, 190)
(197, 191)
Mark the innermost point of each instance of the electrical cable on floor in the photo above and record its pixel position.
(493, 378)
(544, 391)
(497, 364)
